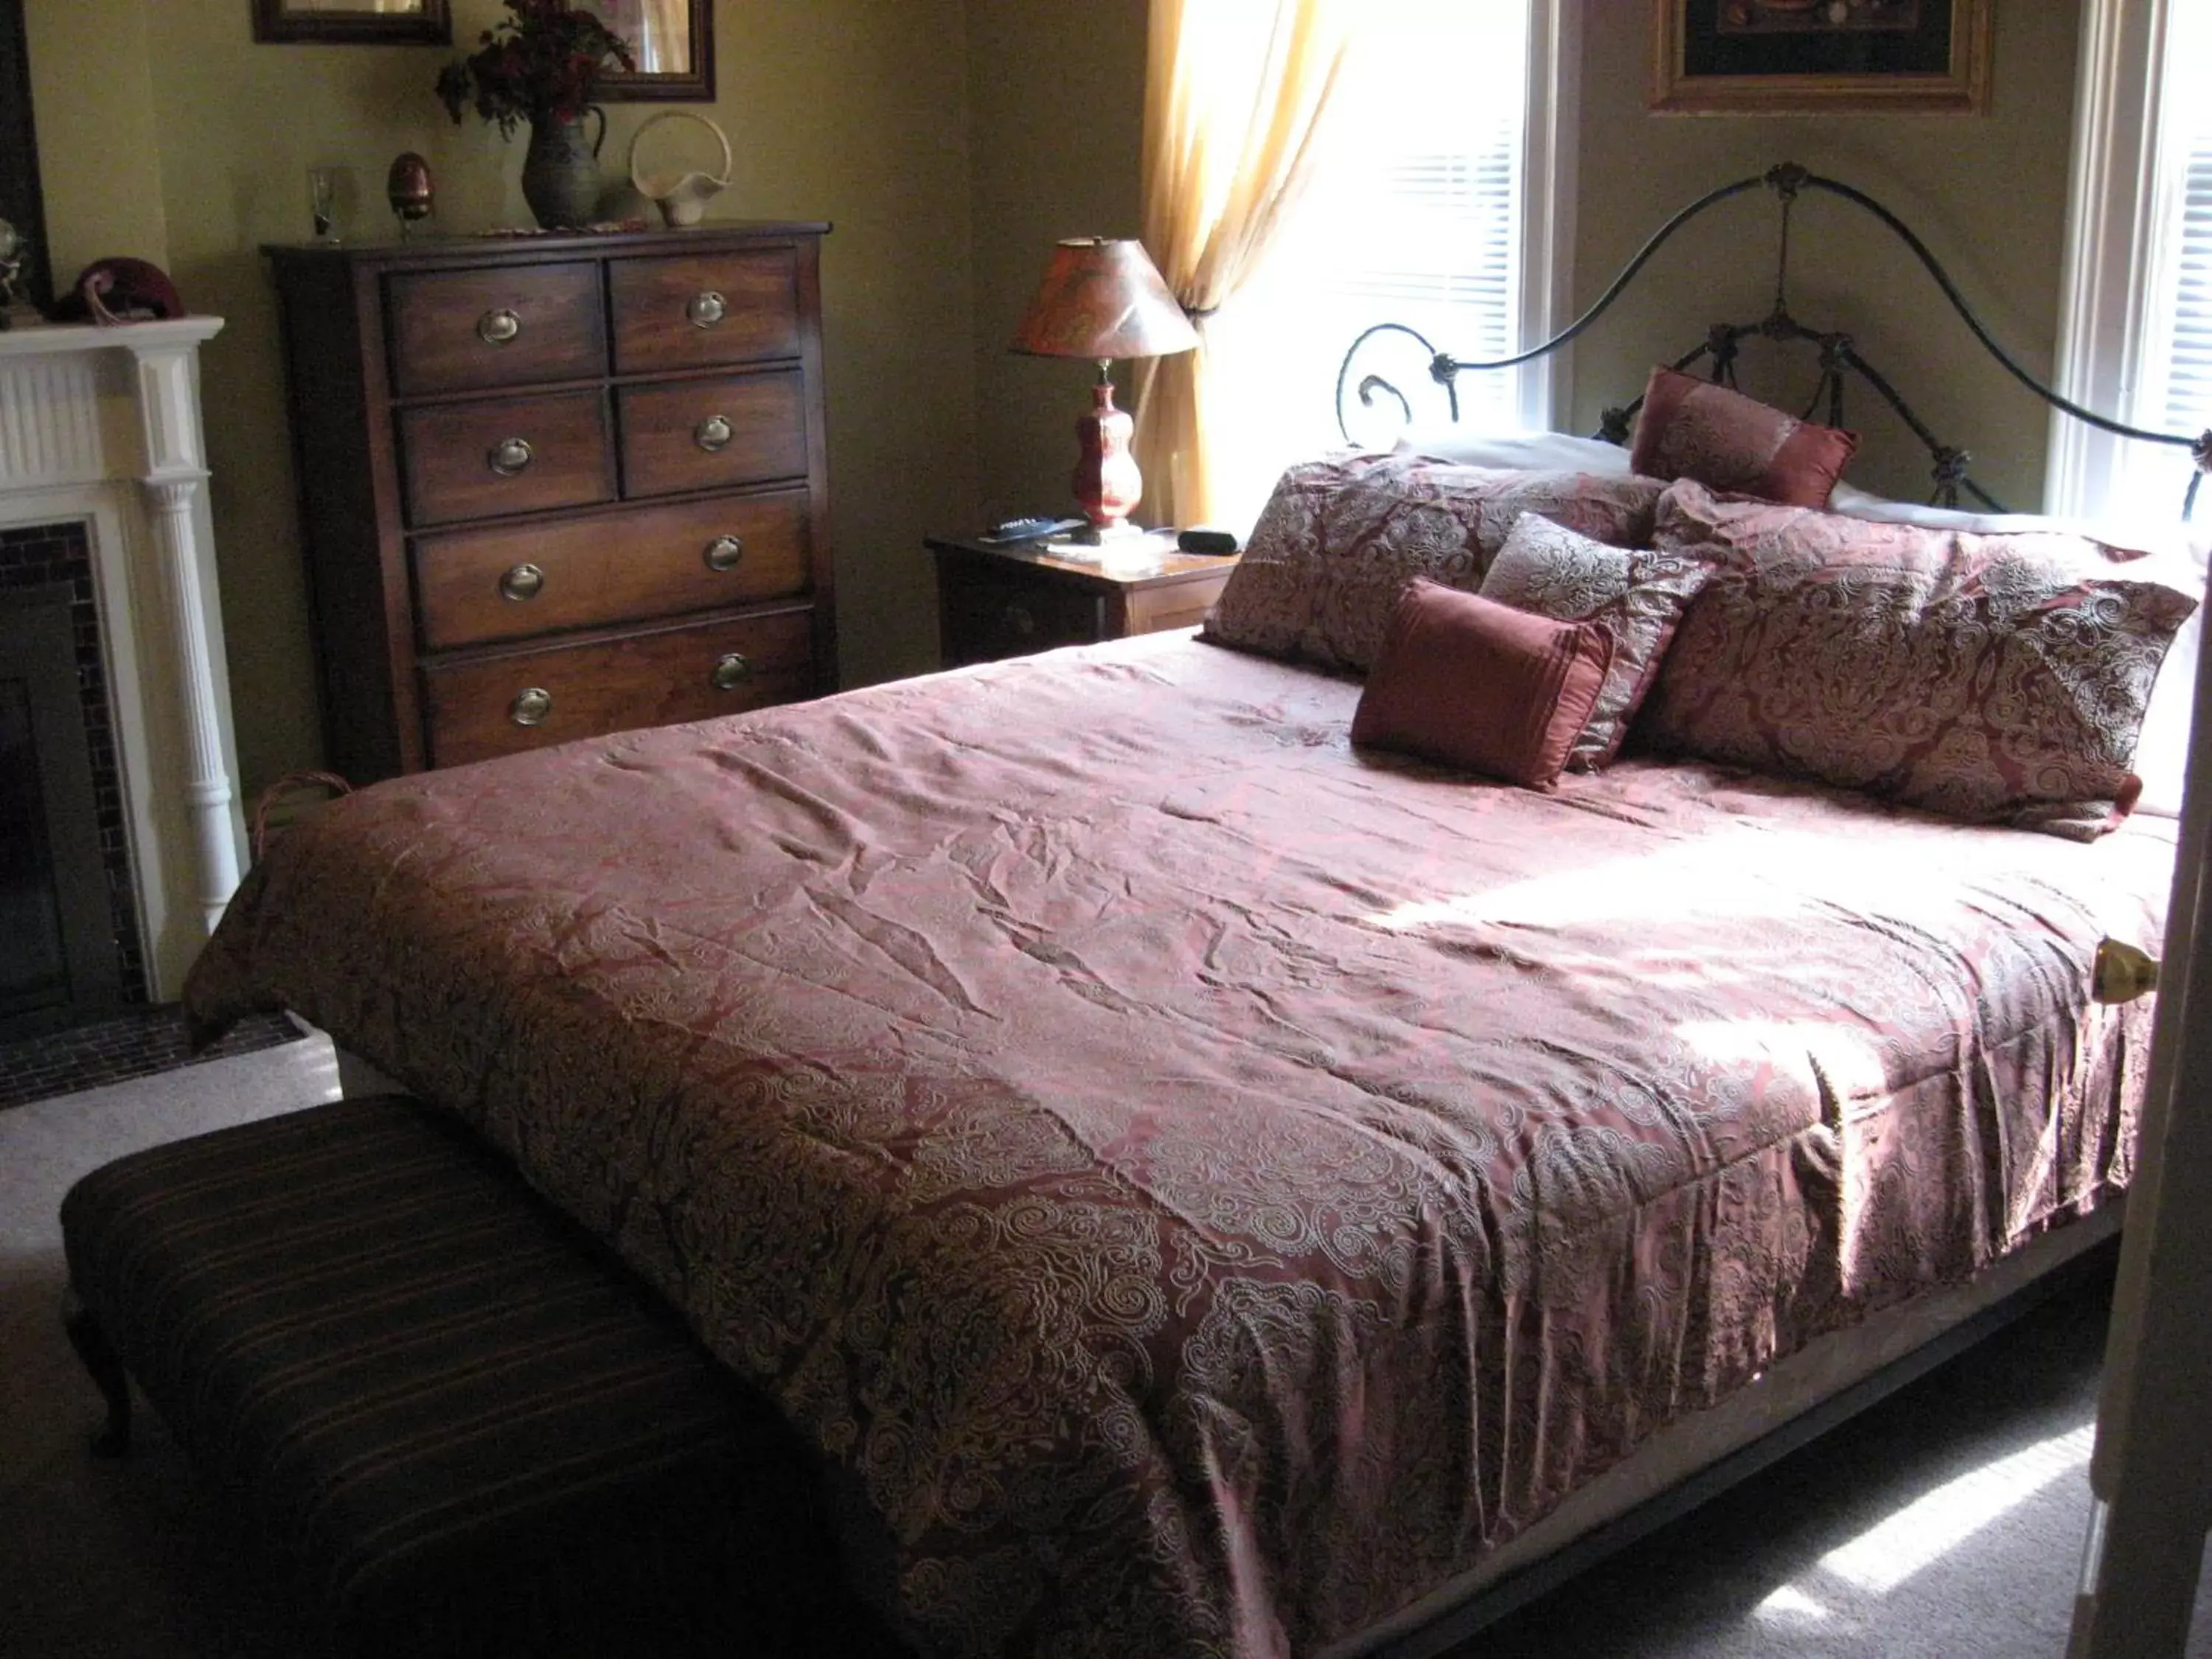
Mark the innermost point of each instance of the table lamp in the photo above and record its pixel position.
(1102, 298)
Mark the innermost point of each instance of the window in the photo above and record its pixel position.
(2176, 393)
(1444, 203)
(2136, 327)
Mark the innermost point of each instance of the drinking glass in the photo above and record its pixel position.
(322, 202)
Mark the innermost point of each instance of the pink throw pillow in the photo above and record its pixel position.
(1693, 428)
(1996, 679)
(1474, 683)
(1636, 594)
(1339, 540)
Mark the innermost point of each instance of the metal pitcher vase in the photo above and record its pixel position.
(561, 171)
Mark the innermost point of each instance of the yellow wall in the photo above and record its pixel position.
(1056, 111)
(1987, 193)
(165, 132)
(952, 142)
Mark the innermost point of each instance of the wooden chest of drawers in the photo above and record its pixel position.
(558, 486)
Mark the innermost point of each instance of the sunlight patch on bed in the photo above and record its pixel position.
(1747, 875)
(1848, 1063)
(1884, 1556)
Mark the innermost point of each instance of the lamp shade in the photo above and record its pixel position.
(1102, 298)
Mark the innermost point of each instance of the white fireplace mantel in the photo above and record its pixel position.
(101, 427)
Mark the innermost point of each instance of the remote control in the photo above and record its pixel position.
(1028, 529)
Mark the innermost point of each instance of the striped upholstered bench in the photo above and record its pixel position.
(462, 1426)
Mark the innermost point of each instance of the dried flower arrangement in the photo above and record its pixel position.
(543, 62)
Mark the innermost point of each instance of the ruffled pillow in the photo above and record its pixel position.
(1636, 594)
(1995, 679)
(1472, 683)
(1693, 428)
(1338, 541)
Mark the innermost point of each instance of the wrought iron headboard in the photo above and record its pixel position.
(1839, 356)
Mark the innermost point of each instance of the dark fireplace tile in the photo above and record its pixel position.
(137, 1043)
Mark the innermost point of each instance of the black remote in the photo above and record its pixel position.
(1028, 529)
(1217, 544)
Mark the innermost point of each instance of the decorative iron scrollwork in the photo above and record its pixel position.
(1840, 357)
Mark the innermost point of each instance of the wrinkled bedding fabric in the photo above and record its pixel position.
(1204, 1185)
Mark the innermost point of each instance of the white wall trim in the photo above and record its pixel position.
(2111, 222)
(101, 427)
(1548, 188)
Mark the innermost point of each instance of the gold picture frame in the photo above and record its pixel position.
(325, 22)
(675, 43)
(1821, 57)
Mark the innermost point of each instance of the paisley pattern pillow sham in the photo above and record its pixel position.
(1995, 679)
(1340, 540)
(1636, 594)
(1693, 428)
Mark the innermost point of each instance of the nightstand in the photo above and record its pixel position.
(1009, 600)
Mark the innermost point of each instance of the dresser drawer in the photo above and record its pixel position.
(461, 331)
(711, 435)
(477, 460)
(695, 311)
(528, 699)
(474, 586)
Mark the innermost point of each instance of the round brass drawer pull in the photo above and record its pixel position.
(731, 672)
(713, 433)
(525, 581)
(706, 309)
(723, 552)
(509, 456)
(530, 706)
(498, 327)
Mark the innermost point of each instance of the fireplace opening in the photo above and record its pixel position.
(69, 950)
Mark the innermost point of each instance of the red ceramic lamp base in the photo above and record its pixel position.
(1108, 485)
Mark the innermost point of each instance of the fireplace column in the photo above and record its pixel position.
(175, 474)
(101, 427)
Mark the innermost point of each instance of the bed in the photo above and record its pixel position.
(1205, 1187)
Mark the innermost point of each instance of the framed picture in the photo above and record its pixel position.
(674, 42)
(1808, 56)
(381, 22)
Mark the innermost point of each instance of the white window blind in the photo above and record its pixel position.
(2183, 402)
(1417, 214)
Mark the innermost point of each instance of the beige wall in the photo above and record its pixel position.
(1987, 193)
(165, 132)
(952, 142)
(1056, 111)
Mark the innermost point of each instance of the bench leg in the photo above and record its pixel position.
(99, 1359)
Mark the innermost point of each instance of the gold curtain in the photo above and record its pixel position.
(1234, 92)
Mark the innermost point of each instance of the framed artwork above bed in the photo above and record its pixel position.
(367, 22)
(1784, 57)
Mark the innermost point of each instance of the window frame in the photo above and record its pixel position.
(2112, 238)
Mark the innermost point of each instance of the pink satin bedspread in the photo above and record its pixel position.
(1205, 1185)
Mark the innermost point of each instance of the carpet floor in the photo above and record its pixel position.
(1947, 1522)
